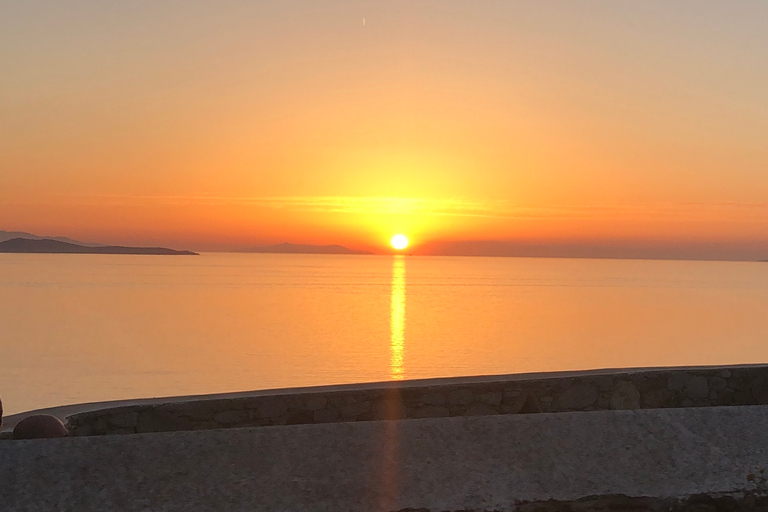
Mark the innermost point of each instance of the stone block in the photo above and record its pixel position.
(738, 383)
(578, 396)
(390, 409)
(327, 416)
(480, 409)
(625, 396)
(519, 403)
(433, 399)
(460, 397)
(696, 387)
(742, 397)
(199, 409)
(271, 408)
(157, 420)
(717, 383)
(355, 409)
(82, 430)
(492, 398)
(231, 417)
(603, 384)
(350, 399)
(760, 390)
(100, 427)
(677, 381)
(429, 411)
(659, 398)
(205, 425)
(603, 402)
(125, 419)
(315, 403)
(300, 418)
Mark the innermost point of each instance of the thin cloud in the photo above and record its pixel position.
(445, 207)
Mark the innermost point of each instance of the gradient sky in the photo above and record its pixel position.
(217, 125)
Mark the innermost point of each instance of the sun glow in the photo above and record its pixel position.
(399, 242)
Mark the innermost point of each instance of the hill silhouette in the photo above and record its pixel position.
(9, 235)
(48, 246)
(287, 248)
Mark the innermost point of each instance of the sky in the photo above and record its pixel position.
(230, 124)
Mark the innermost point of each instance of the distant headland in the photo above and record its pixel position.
(50, 246)
(287, 248)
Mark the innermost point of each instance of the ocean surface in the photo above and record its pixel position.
(82, 328)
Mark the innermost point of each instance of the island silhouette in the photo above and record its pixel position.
(49, 246)
(288, 248)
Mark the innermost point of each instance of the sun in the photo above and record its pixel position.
(399, 242)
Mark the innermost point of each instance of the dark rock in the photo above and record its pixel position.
(300, 418)
(433, 399)
(125, 419)
(480, 410)
(531, 405)
(199, 410)
(231, 417)
(760, 390)
(40, 426)
(271, 408)
(315, 403)
(356, 409)
(659, 398)
(430, 411)
(326, 416)
(717, 383)
(205, 425)
(578, 396)
(625, 396)
(677, 381)
(157, 420)
(390, 409)
(83, 430)
(492, 398)
(696, 387)
(460, 397)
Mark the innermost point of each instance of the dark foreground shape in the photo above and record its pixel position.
(751, 502)
(47, 246)
(41, 426)
(1, 413)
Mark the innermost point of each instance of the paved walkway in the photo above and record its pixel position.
(480, 463)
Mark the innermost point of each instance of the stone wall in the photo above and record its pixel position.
(583, 391)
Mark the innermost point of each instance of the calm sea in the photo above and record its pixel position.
(80, 328)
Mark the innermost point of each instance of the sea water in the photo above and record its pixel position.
(82, 328)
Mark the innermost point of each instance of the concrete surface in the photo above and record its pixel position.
(481, 463)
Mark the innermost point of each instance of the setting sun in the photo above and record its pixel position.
(399, 242)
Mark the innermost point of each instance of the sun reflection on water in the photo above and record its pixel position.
(397, 319)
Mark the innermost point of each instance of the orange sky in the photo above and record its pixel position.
(219, 125)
